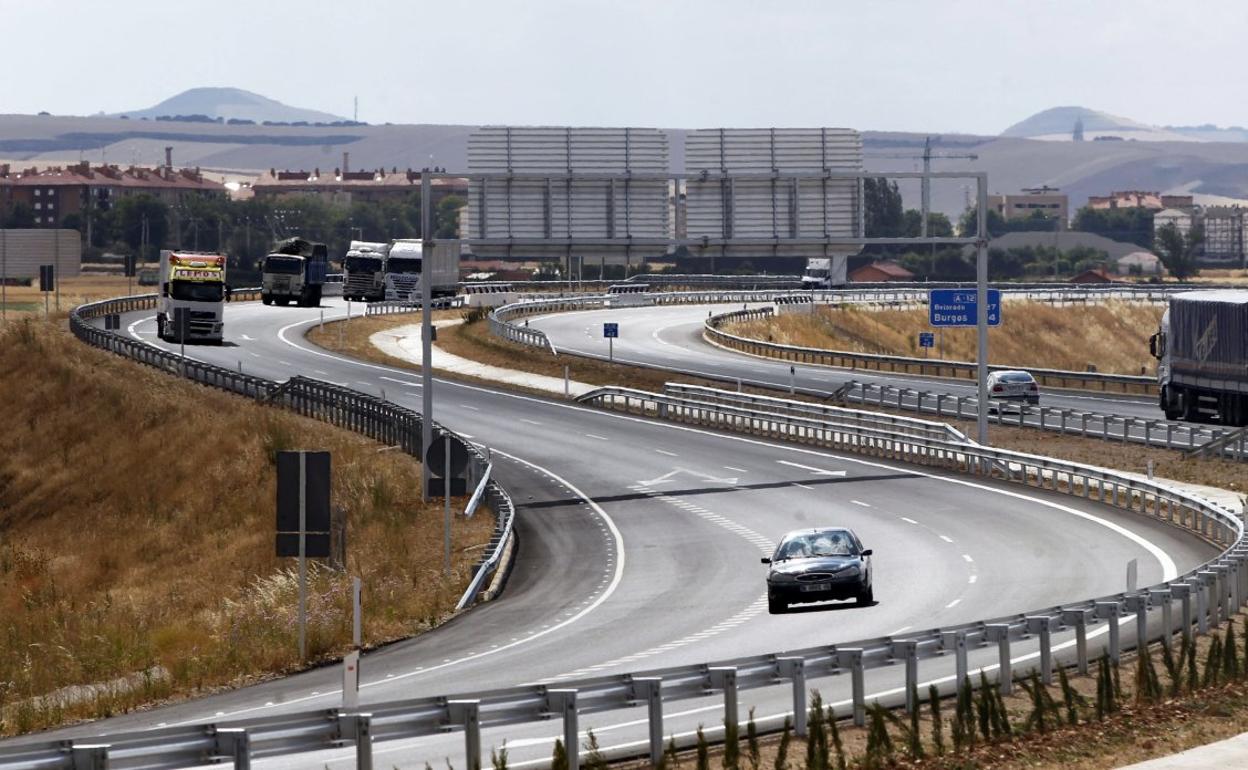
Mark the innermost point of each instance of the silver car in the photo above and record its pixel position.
(1013, 386)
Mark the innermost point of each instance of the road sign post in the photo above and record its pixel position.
(926, 341)
(982, 300)
(611, 331)
(426, 329)
(958, 307)
(303, 519)
(47, 283)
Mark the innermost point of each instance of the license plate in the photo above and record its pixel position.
(816, 586)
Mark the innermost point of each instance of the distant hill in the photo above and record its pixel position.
(1058, 124)
(230, 103)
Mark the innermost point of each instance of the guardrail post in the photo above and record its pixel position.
(232, 743)
(1042, 625)
(1161, 596)
(1000, 633)
(1110, 611)
(908, 650)
(1221, 604)
(89, 756)
(725, 678)
(563, 703)
(650, 690)
(795, 669)
(1079, 619)
(1205, 580)
(1183, 592)
(1138, 603)
(852, 659)
(468, 714)
(956, 641)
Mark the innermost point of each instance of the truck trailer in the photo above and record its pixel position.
(1202, 354)
(193, 282)
(825, 273)
(294, 270)
(405, 269)
(364, 271)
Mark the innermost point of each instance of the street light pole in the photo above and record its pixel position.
(426, 330)
(981, 300)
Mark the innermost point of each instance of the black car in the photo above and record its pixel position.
(815, 565)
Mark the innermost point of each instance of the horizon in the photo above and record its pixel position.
(729, 63)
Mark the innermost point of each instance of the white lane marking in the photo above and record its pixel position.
(967, 558)
(284, 363)
(600, 438)
(972, 578)
(803, 486)
(473, 408)
(610, 589)
(898, 631)
(322, 373)
(953, 604)
(665, 452)
(908, 520)
(859, 502)
(408, 383)
(1168, 568)
(738, 470)
(253, 355)
(946, 538)
(249, 338)
(812, 469)
(530, 422)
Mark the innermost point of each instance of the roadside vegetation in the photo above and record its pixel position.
(1113, 336)
(136, 537)
(27, 301)
(1143, 707)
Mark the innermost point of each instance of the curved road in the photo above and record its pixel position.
(639, 544)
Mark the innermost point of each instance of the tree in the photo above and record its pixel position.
(128, 216)
(1134, 225)
(1036, 221)
(447, 215)
(1177, 251)
(20, 215)
(882, 204)
(938, 225)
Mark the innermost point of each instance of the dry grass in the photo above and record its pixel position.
(1112, 336)
(136, 535)
(1140, 730)
(28, 300)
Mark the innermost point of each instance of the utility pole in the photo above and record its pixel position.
(981, 300)
(426, 331)
(925, 184)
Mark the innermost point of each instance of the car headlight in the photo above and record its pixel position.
(781, 577)
(850, 571)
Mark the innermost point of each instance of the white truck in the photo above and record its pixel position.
(405, 269)
(364, 271)
(296, 270)
(1202, 357)
(825, 273)
(193, 282)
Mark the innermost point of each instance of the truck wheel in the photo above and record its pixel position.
(284, 301)
(160, 326)
(266, 299)
(1190, 405)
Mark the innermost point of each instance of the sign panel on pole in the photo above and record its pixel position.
(47, 278)
(927, 340)
(610, 330)
(316, 502)
(959, 307)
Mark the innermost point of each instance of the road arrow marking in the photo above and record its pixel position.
(667, 477)
(816, 471)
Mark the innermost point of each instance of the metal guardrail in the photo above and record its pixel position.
(1206, 595)
(359, 412)
(393, 307)
(1054, 378)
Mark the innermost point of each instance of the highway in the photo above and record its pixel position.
(639, 541)
(670, 336)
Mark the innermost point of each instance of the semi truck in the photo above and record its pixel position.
(825, 273)
(193, 282)
(1201, 349)
(405, 268)
(295, 269)
(364, 271)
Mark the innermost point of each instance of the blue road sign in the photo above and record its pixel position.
(610, 330)
(958, 307)
(927, 340)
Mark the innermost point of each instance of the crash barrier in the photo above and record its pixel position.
(1205, 597)
(489, 294)
(964, 370)
(396, 307)
(369, 415)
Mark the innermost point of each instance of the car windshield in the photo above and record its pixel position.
(197, 291)
(1016, 377)
(817, 545)
(292, 265)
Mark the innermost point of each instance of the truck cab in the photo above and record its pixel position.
(195, 283)
(364, 271)
(295, 270)
(825, 273)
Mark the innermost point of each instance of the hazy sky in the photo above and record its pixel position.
(942, 66)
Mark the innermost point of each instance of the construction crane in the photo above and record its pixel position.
(927, 169)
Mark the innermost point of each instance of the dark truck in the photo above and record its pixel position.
(1202, 354)
(294, 270)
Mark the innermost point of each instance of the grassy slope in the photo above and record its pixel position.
(1112, 336)
(136, 534)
